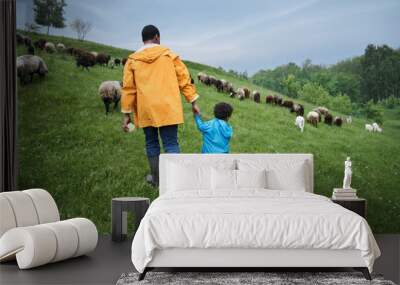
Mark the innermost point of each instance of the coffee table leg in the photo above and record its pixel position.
(116, 217)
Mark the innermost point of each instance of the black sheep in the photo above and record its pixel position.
(117, 61)
(328, 119)
(85, 60)
(40, 43)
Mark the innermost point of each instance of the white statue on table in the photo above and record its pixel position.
(347, 174)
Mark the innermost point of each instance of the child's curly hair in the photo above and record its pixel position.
(222, 111)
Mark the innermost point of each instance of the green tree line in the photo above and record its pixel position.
(354, 83)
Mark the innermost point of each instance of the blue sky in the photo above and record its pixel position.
(242, 35)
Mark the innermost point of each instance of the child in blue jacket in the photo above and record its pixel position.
(216, 132)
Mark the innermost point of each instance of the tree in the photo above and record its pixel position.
(81, 27)
(373, 112)
(315, 94)
(291, 85)
(49, 13)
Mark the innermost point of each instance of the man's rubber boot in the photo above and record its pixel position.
(153, 177)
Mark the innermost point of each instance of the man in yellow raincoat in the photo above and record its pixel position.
(154, 78)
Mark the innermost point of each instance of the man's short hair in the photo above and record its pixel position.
(223, 110)
(149, 32)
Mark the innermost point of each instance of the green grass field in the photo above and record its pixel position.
(68, 145)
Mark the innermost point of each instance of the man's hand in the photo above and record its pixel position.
(195, 108)
(125, 121)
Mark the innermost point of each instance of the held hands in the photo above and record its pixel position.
(195, 108)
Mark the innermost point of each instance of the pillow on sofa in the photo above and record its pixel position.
(183, 177)
(251, 178)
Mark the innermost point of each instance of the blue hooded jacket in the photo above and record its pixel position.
(216, 135)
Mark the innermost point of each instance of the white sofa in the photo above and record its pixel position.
(31, 231)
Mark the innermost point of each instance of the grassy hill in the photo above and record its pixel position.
(68, 145)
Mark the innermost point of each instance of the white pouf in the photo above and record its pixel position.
(31, 233)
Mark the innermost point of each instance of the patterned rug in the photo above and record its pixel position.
(243, 278)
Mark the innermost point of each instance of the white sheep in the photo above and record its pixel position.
(369, 128)
(110, 91)
(313, 118)
(349, 120)
(376, 128)
(61, 47)
(49, 47)
(28, 65)
(299, 122)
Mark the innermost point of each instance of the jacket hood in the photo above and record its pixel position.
(225, 128)
(149, 54)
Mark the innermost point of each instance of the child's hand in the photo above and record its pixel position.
(195, 108)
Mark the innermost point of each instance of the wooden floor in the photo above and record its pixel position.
(110, 260)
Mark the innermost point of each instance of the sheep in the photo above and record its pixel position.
(202, 77)
(94, 53)
(298, 109)
(227, 87)
(328, 119)
(349, 120)
(110, 91)
(256, 96)
(102, 59)
(40, 43)
(322, 110)
(240, 94)
(316, 110)
(337, 121)
(124, 60)
(369, 128)
(269, 99)
(85, 60)
(28, 65)
(299, 122)
(219, 85)
(287, 104)
(24, 40)
(376, 128)
(246, 92)
(313, 118)
(49, 47)
(78, 52)
(212, 80)
(278, 100)
(117, 61)
(60, 47)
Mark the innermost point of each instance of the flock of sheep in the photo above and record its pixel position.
(110, 91)
(313, 117)
(30, 64)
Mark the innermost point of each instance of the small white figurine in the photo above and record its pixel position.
(347, 174)
(299, 122)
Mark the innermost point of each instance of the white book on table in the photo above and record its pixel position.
(344, 198)
(341, 190)
(345, 194)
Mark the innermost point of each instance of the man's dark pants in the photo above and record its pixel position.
(169, 138)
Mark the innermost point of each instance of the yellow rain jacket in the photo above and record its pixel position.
(154, 77)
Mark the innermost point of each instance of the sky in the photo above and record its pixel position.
(241, 35)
